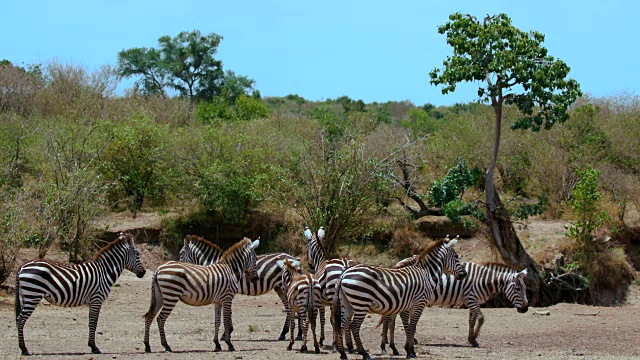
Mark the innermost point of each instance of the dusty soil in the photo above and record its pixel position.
(568, 332)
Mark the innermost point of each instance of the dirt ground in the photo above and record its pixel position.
(569, 331)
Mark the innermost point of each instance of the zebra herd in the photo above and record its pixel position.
(207, 275)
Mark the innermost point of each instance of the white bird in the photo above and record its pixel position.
(321, 232)
(307, 232)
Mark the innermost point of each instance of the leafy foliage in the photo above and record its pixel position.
(514, 66)
(453, 185)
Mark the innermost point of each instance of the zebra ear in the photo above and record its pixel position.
(522, 274)
(280, 264)
(307, 233)
(296, 264)
(255, 243)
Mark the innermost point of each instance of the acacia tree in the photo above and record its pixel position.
(186, 63)
(513, 68)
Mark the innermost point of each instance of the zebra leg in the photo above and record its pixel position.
(409, 346)
(475, 314)
(348, 338)
(216, 323)
(154, 307)
(287, 309)
(302, 317)
(312, 320)
(392, 334)
(94, 314)
(25, 310)
(228, 325)
(167, 307)
(292, 327)
(322, 321)
(355, 323)
(384, 321)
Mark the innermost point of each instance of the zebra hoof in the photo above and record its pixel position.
(218, 348)
(282, 337)
(415, 341)
(350, 350)
(475, 344)
(317, 350)
(384, 351)
(396, 353)
(231, 348)
(411, 356)
(303, 349)
(290, 347)
(96, 351)
(222, 338)
(147, 348)
(168, 349)
(25, 353)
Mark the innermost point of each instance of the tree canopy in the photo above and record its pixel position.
(187, 64)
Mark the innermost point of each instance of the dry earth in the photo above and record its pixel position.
(569, 332)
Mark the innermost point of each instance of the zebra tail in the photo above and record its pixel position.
(337, 312)
(380, 322)
(18, 304)
(310, 303)
(155, 293)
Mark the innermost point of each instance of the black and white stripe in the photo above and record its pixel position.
(365, 288)
(303, 295)
(483, 281)
(327, 272)
(198, 285)
(69, 285)
(199, 251)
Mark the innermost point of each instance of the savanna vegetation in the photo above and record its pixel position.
(193, 137)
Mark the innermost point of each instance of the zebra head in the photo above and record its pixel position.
(289, 270)
(451, 261)
(251, 270)
(315, 250)
(517, 291)
(186, 253)
(132, 256)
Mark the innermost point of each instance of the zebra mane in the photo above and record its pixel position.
(320, 246)
(500, 265)
(203, 241)
(235, 248)
(430, 249)
(108, 247)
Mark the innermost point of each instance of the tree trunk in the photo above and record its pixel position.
(506, 240)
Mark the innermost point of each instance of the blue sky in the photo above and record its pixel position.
(370, 50)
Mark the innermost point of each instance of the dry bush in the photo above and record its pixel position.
(405, 241)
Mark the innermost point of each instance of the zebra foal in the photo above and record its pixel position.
(483, 281)
(303, 295)
(198, 285)
(365, 288)
(199, 251)
(70, 285)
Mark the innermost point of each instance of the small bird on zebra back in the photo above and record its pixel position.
(482, 283)
(199, 251)
(303, 295)
(70, 285)
(365, 288)
(198, 285)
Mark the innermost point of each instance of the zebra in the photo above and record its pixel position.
(327, 272)
(365, 288)
(70, 285)
(482, 283)
(303, 296)
(198, 285)
(202, 252)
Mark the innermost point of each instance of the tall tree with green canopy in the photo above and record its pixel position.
(512, 68)
(185, 63)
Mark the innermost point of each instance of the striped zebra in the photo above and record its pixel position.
(365, 288)
(69, 285)
(327, 272)
(483, 281)
(199, 251)
(303, 295)
(198, 285)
